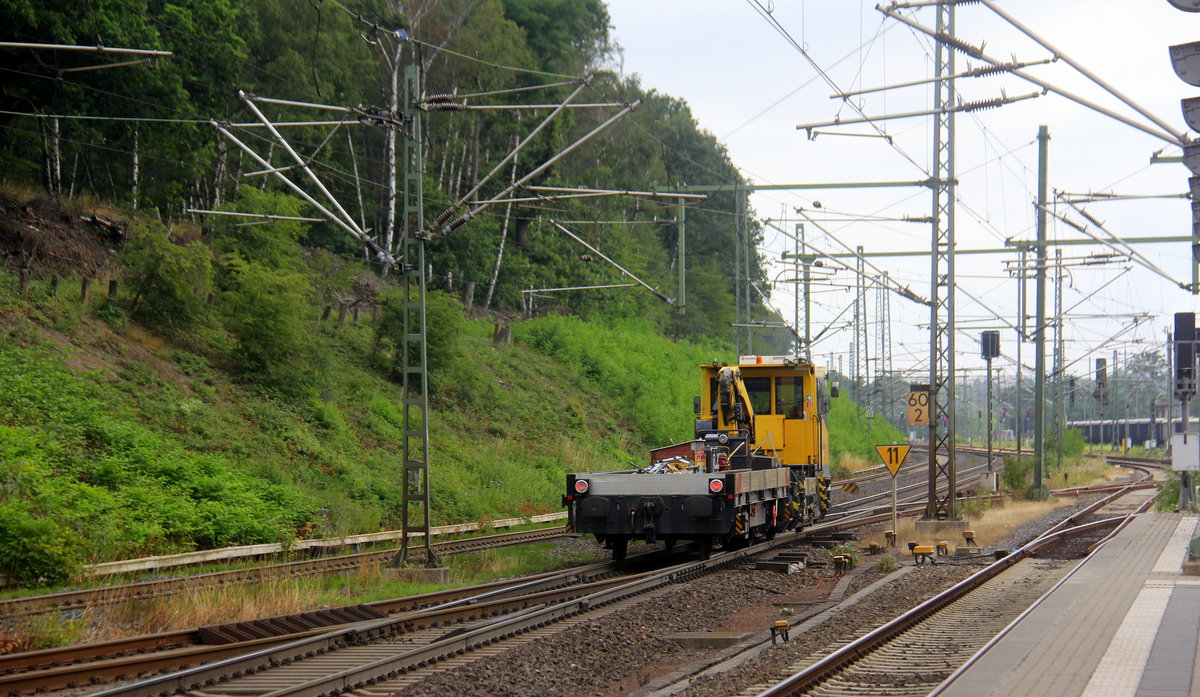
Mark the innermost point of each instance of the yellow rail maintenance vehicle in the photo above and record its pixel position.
(758, 465)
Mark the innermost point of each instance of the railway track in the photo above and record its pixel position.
(428, 633)
(388, 653)
(143, 590)
(373, 653)
(52, 669)
(911, 655)
(871, 664)
(911, 479)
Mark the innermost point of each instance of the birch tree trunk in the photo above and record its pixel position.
(394, 105)
(51, 155)
(487, 301)
(136, 167)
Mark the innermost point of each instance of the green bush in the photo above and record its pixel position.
(1168, 494)
(170, 283)
(851, 432)
(846, 548)
(275, 246)
(1073, 443)
(35, 550)
(974, 507)
(444, 322)
(633, 366)
(83, 481)
(887, 563)
(264, 310)
(1017, 475)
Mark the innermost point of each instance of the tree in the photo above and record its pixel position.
(170, 282)
(264, 310)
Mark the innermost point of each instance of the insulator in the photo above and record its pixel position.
(959, 44)
(990, 70)
(442, 218)
(457, 223)
(445, 106)
(983, 104)
(439, 98)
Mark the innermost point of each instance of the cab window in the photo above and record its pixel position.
(759, 390)
(789, 397)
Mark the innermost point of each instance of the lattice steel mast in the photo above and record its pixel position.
(883, 351)
(415, 453)
(941, 293)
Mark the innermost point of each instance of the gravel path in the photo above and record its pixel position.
(595, 658)
(872, 611)
(616, 654)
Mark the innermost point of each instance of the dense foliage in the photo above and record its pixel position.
(241, 375)
(146, 141)
(852, 433)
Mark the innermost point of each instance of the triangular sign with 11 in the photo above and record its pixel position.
(893, 456)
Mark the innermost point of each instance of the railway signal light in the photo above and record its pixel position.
(1185, 355)
(1185, 60)
(1101, 391)
(989, 344)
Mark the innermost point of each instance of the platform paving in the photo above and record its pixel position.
(1126, 624)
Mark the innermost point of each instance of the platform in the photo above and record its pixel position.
(1126, 624)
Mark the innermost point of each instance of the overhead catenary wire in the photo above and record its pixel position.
(346, 217)
(977, 53)
(350, 228)
(453, 209)
(1179, 136)
(476, 208)
(1128, 251)
(657, 293)
(767, 15)
(402, 35)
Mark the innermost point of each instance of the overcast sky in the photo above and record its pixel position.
(750, 87)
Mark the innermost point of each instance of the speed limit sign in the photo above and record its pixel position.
(918, 405)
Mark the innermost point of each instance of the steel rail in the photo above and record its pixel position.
(1092, 508)
(519, 620)
(904, 489)
(118, 593)
(950, 679)
(850, 653)
(43, 670)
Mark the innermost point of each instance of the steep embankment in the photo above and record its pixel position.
(115, 442)
(120, 440)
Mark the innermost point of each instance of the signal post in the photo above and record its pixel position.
(893, 457)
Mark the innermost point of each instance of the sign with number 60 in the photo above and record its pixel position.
(918, 405)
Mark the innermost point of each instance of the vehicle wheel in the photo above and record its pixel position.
(705, 546)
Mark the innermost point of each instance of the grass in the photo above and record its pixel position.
(1090, 471)
(856, 463)
(179, 439)
(989, 525)
(286, 596)
(236, 564)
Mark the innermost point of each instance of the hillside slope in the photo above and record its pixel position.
(118, 441)
(162, 419)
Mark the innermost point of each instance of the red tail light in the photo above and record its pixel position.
(581, 486)
(716, 486)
